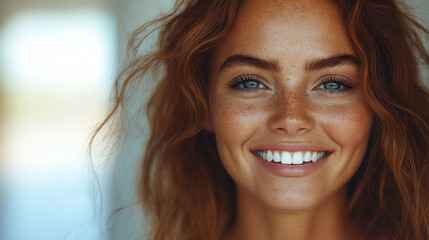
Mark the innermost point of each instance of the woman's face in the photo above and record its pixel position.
(285, 86)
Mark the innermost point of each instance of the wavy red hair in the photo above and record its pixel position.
(183, 186)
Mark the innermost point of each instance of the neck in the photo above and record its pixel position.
(254, 221)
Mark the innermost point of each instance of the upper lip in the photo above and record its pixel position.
(291, 147)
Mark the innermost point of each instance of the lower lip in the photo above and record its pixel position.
(292, 170)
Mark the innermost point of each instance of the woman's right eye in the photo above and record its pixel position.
(247, 83)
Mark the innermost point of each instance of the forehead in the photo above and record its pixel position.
(286, 28)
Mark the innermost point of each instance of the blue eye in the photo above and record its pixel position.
(247, 83)
(335, 84)
(332, 86)
(250, 84)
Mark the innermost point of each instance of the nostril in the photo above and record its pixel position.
(288, 124)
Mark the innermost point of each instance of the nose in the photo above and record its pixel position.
(291, 114)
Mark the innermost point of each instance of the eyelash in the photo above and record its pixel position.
(344, 83)
(240, 80)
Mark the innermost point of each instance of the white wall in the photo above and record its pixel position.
(57, 63)
(128, 223)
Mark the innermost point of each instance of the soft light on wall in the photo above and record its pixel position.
(56, 69)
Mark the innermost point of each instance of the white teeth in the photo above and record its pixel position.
(269, 156)
(307, 157)
(290, 158)
(286, 158)
(297, 158)
(276, 156)
(314, 157)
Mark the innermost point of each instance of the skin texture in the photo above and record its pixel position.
(289, 106)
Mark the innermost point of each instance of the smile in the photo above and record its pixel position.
(295, 158)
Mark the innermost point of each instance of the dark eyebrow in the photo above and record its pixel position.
(271, 65)
(331, 62)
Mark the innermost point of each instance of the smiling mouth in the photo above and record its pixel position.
(289, 158)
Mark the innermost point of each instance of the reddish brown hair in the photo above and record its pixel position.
(389, 194)
(183, 187)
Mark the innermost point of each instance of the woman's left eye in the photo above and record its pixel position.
(250, 84)
(335, 84)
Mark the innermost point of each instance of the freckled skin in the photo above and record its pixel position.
(289, 109)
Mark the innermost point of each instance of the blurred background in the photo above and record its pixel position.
(58, 60)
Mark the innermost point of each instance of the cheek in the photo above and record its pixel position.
(235, 120)
(349, 125)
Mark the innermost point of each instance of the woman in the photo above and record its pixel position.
(285, 119)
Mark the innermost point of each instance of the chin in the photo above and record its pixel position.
(288, 196)
(288, 203)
